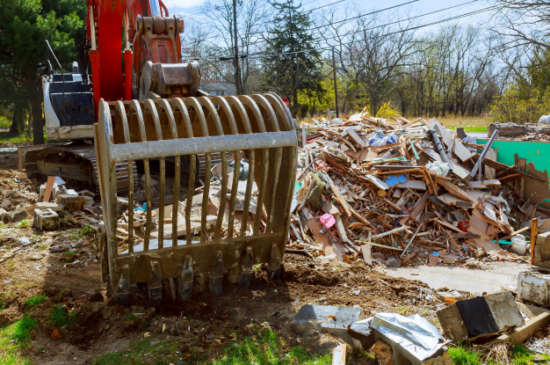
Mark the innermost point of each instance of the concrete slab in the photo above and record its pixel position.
(495, 277)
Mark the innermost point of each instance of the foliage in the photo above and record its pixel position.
(144, 352)
(35, 301)
(291, 61)
(386, 111)
(4, 122)
(513, 107)
(523, 356)
(463, 356)
(24, 28)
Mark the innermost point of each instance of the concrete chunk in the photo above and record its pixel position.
(45, 219)
(534, 286)
(328, 318)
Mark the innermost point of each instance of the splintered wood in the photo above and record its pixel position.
(400, 192)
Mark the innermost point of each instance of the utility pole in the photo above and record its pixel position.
(335, 84)
(238, 83)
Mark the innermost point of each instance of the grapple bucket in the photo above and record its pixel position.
(199, 228)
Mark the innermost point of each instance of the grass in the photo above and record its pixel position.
(7, 138)
(464, 356)
(35, 301)
(264, 348)
(84, 232)
(13, 338)
(523, 356)
(23, 224)
(59, 317)
(470, 124)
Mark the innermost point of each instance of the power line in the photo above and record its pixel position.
(456, 17)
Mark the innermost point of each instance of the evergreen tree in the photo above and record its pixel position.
(292, 61)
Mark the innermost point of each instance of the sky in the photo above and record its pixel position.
(191, 9)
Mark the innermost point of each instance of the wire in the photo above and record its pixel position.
(461, 16)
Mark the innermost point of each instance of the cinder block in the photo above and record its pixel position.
(534, 286)
(71, 202)
(542, 250)
(45, 219)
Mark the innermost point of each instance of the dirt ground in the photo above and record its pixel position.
(30, 265)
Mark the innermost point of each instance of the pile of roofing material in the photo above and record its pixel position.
(405, 192)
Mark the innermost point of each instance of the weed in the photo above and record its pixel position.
(523, 356)
(463, 356)
(3, 304)
(86, 231)
(59, 317)
(13, 338)
(23, 224)
(68, 256)
(5, 123)
(34, 301)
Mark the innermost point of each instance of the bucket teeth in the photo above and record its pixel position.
(245, 276)
(275, 266)
(185, 281)
(155, 286)
(215, 279)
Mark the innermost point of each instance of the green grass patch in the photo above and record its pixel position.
(7, 138)
(268, 348)
(36, 300)
(23, 224)
(13, 338)
(59, 317)
(264, 348)
(464, 356)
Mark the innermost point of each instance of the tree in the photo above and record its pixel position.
(24, 27)
(242, 18)
(292, 59)
(527, 22)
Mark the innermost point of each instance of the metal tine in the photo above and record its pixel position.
(177, 167)
(265, 161)
(278, 156)
(245, 121)
(204, 131)
(222, 102)
(186, 120)
(285, 117)
(156, 122)
(136, 107)
(219, 130)
(126, 130)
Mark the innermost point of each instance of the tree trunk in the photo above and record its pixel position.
(37, 120)
(17, 124)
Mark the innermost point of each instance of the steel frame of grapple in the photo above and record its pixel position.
(156, 129)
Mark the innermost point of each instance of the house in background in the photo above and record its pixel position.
(218, 88)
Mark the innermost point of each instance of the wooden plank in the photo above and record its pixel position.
(339, 354)
(418, 208)
(412, 184)
(484, 184)
(520, 334)
(315, 227)
(448, 225)
(461, 151)
(387, 233)
(49, 188)
(453, 201)
(455, 190)
(377, 182)
(356, 138)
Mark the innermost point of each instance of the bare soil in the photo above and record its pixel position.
(204, 325)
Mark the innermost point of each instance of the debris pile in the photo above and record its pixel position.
(405, 192)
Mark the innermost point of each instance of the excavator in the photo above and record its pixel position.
(200, 186)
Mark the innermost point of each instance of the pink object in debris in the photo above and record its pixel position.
(327, 220)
